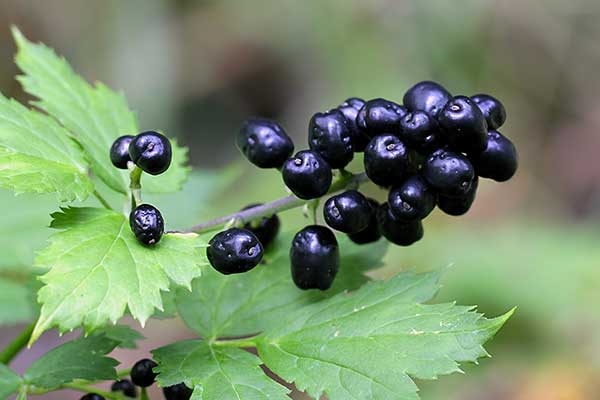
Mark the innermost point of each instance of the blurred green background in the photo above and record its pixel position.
(196, 69)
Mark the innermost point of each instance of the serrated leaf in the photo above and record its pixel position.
(98, 269)
(82, 358)
(125, 335)
(95, 115)
(9, 381)
(242, 304)
(368, 345)
(215, 373)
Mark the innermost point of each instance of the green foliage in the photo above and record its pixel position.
(9, 381)
(123, 334)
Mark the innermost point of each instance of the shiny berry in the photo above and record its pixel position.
(307, 175)
(353, 102)
(315, 258)
(492, 110)
(234, 251)
(329, 134)
(124, 386)
(142, 373)
(499, 161)
(420, 132)
(426, 96)
(350, 110)
(151, 151)
(348, 212)
(91, 396)
(371, 233)
(387, 160)
(177, 392)
(380, 116)
(147, 224)
(412, 200)
(458, 205)
(265, 229)
(396, 231)
(264, 143)
(448, 173)
(119, 152)
(463, 124)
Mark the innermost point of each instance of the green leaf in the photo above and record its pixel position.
(215, 373)
(123, 334)
(368, 345)
(98, 269)
(15, 301)
(82, 358)
(9, 381)
(233, 305)
(38, 155)
(95, 115)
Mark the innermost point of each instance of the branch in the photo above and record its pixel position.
(17, 344)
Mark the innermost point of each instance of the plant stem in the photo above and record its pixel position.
(135, 186)
(83, 387)
(102, 200)
(123, 373)
(17, 344)
(245, 342)
(345, 181)
(144, 395)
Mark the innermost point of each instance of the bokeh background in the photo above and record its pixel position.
(196, 69)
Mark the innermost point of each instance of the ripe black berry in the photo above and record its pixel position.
(329, 135)
(147, 224)
(151, 151)
(420, 131)
(142, 373)
(307, 175)
(492, 110)
(315, 258)
(459, 205)
(353, 102)
(91, 396)
(426, 96)
(387, 160)
(371, 233)
(265, 229)
(348, 212)
(264, 143)
(380, 116)
(177, 392)
(412, 200)
(125, 386)
(234, 251)
(350, 109)
(464, 126)
(449, 173)
(396, 231)
(119, 151)
(499, 161)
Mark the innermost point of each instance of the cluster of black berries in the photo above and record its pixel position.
(429, 151)
(151, 152)
(143, 375)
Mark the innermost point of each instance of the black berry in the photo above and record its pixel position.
(499, 161)
(426, 96)
(353, 102)
(125, 386)
(307, 175)
(151, 151)
(449, 173)
(91, 396)
(234, 251)
(492, 110)
(142, 373)
(371, 233)
(265, 229)
(380, 116)
(464, 126)
(119, 151)
(348, 212)
(459, 205)
(350, 109)
(315, 258)
(412, 200)
(387, 160)
(396, 231)
(177, 392)
(329, 135)
(147, 224)
(264, 143)
(420, 131)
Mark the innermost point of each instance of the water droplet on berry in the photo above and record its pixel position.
(455, 107)
(298, 161)
(390, 146)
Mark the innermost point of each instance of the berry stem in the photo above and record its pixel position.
(276, 206)
(144, 394)
(135, 186)
(102, 200)
(17, 344)
(80, 386)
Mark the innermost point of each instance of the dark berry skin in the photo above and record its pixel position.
(234, 251)
(125, 386)
(264, 143)
(464, 126)
(119, 151)
(329, 135)
(307, 175)
(426, 96)
(177, 392)
(380, 116)
(371, 233)
(353, 102)
(492, 109)
(142, 374)
(147, 224)
(412, 200)
(387, 160)
(91, 396)
(420, 131)
(448, 173)
(350, 109)
(348, 212)
(459, 205)
(315, 258)
(398, 232)
(265, 229)
(151, 151)
(499, 161)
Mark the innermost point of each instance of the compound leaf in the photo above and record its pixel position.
(9, 381)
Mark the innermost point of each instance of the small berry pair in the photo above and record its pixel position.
(151, 151)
